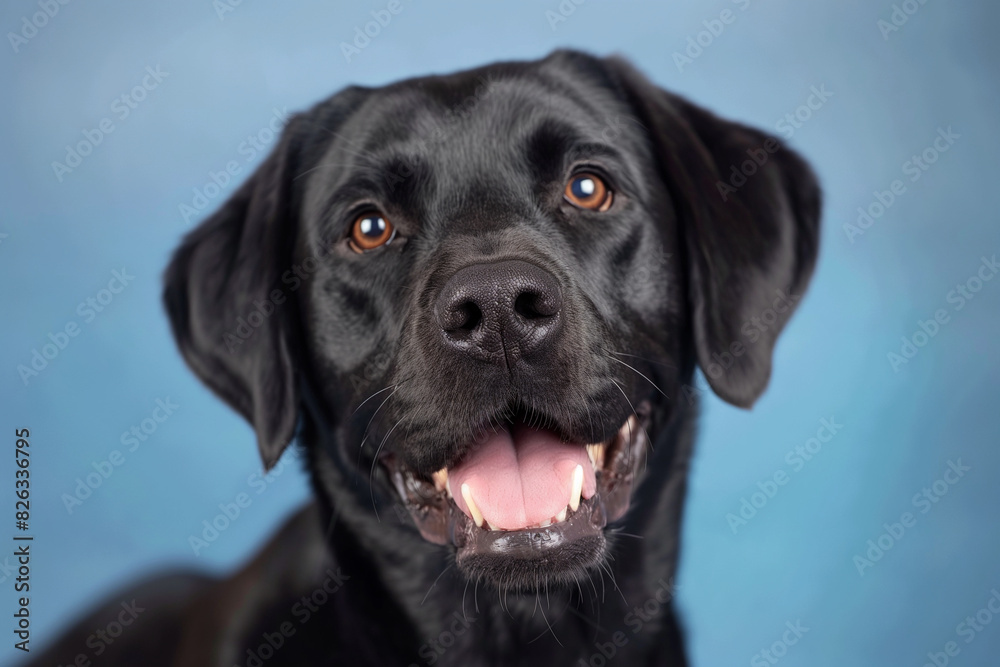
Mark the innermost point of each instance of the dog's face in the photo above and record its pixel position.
(483, 292)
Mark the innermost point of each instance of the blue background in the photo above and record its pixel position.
(794, 559)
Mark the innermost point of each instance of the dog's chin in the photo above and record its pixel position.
(519, 555)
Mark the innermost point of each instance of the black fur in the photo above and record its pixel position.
(470, 168)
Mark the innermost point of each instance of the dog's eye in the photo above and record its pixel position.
(371, 230)
(588, 191)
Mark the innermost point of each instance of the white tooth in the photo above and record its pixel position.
(440, 479)
(574, 494)
(545, 524)
(629, 429)
(561, 516)
(447, 487)
(596, 454)
(477, 516)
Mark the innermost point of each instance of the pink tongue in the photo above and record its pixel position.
(520, 479)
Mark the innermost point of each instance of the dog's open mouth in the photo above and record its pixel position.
(523, 504)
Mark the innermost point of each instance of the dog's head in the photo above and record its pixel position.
(484, 293)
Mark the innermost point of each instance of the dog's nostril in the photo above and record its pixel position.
(461, 318)
(467, 317)
(532, 306)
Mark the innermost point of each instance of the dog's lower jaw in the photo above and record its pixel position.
(430, 602)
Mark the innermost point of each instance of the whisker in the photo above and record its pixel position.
(337, 135)
(640, 375)
(333, 523)
(554, 636)
(320, 166)
(368, 427)
(603, 591)
(435, 584)
(607, 568)
(465, 616)
(391, 386)
(636, 356)
(364, 437)
(649, 440)
(371, 473)
(624, 534)
(355, 153)
(579, 590)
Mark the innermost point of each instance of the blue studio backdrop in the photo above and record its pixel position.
(857, 502)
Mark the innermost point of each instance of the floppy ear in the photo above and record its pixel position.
(748, 213)
(218, 277)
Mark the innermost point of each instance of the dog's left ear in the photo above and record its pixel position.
(748, 213)
(213, 287)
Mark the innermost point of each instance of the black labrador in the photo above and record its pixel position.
(476, 302)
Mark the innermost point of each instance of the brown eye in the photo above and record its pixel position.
(371, 230)
(588, 191)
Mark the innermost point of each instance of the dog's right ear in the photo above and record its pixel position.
(750, 248)
(221, 271)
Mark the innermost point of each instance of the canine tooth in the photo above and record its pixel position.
(596, 454)
(440, 479)
(629, 429)
(477, 516)
(574, 494)
(561, 516)
(545, 524)
(447, 487)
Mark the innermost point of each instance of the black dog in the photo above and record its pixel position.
(479, 297)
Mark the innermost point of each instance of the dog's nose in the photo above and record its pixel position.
(500, 312)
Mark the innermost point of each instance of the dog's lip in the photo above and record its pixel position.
(440, 521)
(587, 520)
